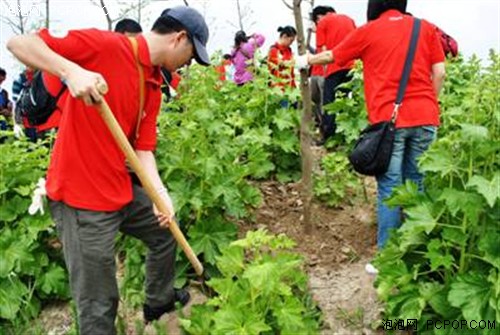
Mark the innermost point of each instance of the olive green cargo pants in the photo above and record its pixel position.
(88, 239)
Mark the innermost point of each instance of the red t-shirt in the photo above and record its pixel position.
(318, 70)
(382, 45)
(280, 65)
(87, 168)
(331, 30)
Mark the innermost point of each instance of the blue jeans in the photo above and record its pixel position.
(409, 144)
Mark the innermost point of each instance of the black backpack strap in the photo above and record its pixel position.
(407, 67)
(61, 91)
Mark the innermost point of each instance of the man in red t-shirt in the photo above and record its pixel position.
(382, 45)
(331, 29)
(92, 195)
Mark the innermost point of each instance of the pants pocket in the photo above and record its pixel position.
(427, 136)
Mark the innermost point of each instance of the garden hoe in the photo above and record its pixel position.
(147, 184)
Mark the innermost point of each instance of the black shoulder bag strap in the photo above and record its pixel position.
(407, 67)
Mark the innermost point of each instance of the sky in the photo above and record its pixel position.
(475, 24)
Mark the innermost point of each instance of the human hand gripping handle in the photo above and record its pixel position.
(146, 182)
(164, 219)
(84, 84)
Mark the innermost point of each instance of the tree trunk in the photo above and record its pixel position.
(47, 16)
(305, 126)
(139, 10)
(309, 30)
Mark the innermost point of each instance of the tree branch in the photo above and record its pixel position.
(287, 4)
(240, 16)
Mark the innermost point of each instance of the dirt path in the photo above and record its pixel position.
(336, 253)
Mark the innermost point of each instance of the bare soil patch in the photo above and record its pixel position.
(342, 241)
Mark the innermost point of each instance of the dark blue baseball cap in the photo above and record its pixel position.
(196, 27)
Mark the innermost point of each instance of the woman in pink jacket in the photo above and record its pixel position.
(243, 54)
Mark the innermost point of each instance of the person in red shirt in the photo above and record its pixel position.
(331, 29)
(280, 57)
(382, 45)
(91, 194)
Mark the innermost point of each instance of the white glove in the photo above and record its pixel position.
(302, 61)
(18, 131)
(37, 198)
(173, 92)
(163, 219)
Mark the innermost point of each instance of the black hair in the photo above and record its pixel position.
(377, 7)
(321, 10)
(226, 56)
(240, 37)
(289, 31)
(165, 25)
(3, 73)
(128, 26)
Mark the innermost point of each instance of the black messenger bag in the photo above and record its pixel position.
(372, 152)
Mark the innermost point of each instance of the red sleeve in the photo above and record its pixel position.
(350, 48)
(147, 130)
(52, 83)
(320, 35)
(77, 46)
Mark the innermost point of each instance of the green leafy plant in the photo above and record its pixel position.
(350, 111)
(31, 266)
(336, 183)
(263, 290)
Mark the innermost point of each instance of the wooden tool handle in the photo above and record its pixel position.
(148, 186)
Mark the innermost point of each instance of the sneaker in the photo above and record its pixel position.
(154, 313)
(370, 269)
